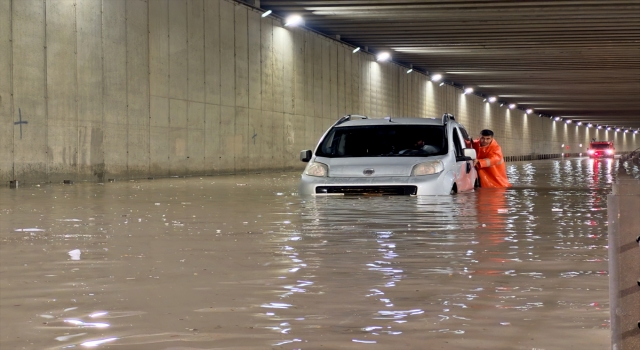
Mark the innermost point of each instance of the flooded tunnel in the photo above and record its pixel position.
(149, 162)
(244, 262)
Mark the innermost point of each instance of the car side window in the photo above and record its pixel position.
(329, 144)
(457, 143)
(465, 137)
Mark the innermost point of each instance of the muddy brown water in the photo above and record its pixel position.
(243, 262)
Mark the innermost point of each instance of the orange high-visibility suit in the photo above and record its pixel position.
(491, 168)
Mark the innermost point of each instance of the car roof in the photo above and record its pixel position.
(386, 121)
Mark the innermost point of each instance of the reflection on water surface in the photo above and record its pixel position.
(242, 262)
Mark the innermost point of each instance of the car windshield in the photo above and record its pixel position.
(390, 140)
(600, 146)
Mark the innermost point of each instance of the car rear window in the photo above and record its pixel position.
(384, 141)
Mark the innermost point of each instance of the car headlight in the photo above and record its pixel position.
(427, 168)
(609, 151)
(590, 151)
(316, 169)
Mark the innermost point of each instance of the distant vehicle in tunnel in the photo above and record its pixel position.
(601, 149)
(391, 156)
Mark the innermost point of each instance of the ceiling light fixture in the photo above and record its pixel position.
(356, 49)
(410, 70)
(599, 127)
(589, 125)
(557, 119)
(492, 99)
(635, 132)
(568, 121)
(266, 13)
(529, 111)
(442, 83)
(468, 90)
(512, 106)
(618, 130)
(383, 56)
(293, 20)
(436, 77)
(579, 123)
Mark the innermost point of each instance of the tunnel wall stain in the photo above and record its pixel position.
(137, 88)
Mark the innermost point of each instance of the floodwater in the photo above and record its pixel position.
(243, 262)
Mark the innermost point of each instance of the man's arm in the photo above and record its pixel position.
(493, 158)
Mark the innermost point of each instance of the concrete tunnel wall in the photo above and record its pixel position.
(136, 88)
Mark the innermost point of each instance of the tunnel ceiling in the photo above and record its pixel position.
(578, 60)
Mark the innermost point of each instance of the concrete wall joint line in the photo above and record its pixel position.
(168, 82)
(126, 72)
(186, 20)
(149, 85)
(204, 59)
(46, 104)
(102, 86)
(102, 80)
(12, 108)
(75, 50)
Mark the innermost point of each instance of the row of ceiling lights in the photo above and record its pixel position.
(296, 20)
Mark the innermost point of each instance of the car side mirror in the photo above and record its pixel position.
(305, 155)
(470, 153)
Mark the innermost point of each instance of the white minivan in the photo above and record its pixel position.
(391, 156)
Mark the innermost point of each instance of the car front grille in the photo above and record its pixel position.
(368, 190)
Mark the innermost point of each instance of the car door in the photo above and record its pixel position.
(464, 167)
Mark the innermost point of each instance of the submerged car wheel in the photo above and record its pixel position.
(454, 189)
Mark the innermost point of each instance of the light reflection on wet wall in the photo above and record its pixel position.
(243, 262)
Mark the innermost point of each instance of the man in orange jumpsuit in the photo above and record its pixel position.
(490, 162)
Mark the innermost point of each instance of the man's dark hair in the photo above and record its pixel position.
(486, 132)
